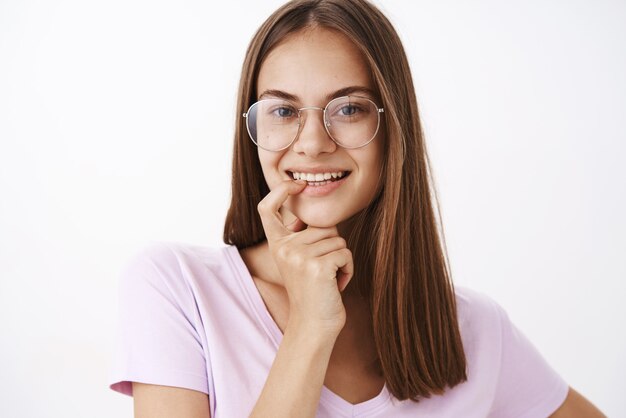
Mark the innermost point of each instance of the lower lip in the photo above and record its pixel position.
(323, 190)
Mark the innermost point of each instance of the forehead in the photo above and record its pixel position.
(313, 64)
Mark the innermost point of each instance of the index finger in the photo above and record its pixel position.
(268, 207)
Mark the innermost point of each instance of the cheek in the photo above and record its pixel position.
(375, 158)
(376, 168)
(269, 165)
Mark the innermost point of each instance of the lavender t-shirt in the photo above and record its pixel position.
(192, 317)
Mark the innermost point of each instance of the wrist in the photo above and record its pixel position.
(314, 330)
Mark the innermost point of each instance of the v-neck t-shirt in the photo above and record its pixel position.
(191, 317)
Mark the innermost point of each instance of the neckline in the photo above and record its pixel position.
(328, 397)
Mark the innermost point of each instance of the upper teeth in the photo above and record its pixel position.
(317, 176)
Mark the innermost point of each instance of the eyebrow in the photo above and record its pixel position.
(346, 91)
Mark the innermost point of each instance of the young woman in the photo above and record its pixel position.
(333, 297)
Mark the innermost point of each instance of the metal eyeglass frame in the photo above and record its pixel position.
(326, 123)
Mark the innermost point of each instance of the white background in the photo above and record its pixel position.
(116, 123)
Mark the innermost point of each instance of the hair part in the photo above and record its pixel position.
(401, 262)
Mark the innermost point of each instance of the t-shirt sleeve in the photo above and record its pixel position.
(528, 387)
(158, 339)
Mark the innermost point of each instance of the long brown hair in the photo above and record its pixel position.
(396, 242)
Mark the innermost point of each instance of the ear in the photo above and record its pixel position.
(291, 221)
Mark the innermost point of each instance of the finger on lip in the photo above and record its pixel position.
(283, 191)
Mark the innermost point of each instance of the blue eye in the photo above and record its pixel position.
(285, 112)
(349, 110)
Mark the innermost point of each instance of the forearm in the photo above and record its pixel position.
(577, 406)
(294, 384)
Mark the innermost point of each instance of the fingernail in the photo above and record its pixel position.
(300, 181)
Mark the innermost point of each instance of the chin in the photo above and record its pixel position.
(317, 217)
(319, 220)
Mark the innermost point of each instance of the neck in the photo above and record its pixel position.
(345, 228)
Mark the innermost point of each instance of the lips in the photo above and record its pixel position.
(316, 189)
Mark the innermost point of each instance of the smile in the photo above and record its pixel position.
(321, 184)
(313, 178)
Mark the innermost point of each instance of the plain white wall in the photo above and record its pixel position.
(116, 122)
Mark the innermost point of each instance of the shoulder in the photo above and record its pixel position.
(481, 322)
(172, 256)
(503, 361)
(475, 306)
(171, 253)
(171, 266)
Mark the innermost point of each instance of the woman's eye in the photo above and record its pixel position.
(348, 110)
(284, 112)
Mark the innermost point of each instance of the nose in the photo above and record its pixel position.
(312, 138)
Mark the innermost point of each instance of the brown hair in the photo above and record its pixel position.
(396, 244)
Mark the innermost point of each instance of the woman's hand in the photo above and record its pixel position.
(314, 263)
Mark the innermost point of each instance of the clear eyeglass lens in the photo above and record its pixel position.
(274, 123)
(352, 121)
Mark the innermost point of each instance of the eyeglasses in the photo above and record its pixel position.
(350, 121)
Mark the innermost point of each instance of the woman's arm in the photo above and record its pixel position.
(292, 389)
(294, 384)
(314, 265)
(576, 406)
(154, 401)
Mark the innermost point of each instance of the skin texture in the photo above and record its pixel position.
(297, 262)
(156, 401)
(313, 263)
(577, 406)
(312, 65)
(304, 248)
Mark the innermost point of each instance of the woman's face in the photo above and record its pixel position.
(313, 67)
